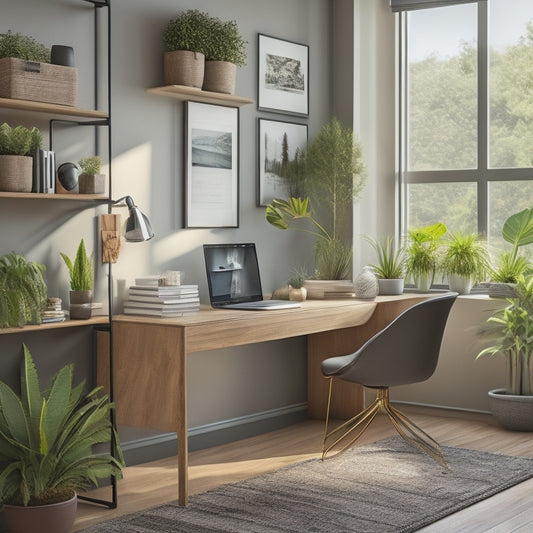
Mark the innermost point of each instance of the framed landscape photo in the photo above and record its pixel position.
(211, 166)
(283, 72)
(281, 155)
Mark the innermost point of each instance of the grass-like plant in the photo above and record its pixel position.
(23, 47)
(390, 260)
(188, 31)
(47, 438)
(465, 255)
(23, 291)
(19, 140)
(422, 252)
(91, 164)
(80, 270)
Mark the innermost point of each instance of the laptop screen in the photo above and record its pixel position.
(232, 273)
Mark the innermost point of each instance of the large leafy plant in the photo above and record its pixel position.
(80, 270)
(19, 140)
(23, 291)
(47, 438)
(23, 47)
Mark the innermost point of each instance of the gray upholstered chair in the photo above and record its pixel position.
(406, 351)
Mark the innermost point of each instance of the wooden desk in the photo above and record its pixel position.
(150, 356)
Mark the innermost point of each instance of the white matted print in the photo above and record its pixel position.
(211, 166)
(283, 84)
(282, 147)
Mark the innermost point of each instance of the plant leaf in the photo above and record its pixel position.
(518, 228)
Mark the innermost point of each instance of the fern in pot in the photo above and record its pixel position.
(511, 330)
(390, 266)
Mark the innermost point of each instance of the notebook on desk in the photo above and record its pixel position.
(233, 278)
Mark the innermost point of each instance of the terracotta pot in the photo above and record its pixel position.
(182, 67)
(53, 518)
(80, 305)
(16, 173)
(220, 77)
(91, 183)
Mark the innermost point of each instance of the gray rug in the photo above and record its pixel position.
(388, 486)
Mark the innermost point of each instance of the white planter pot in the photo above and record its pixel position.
(512, 411)
(391, 286)
(460, 284)
(424, 281)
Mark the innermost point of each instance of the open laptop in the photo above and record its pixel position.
(233, 278)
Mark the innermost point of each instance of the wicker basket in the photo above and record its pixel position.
(40, 82)
(16, 173)
(181, 67)
(220, 77)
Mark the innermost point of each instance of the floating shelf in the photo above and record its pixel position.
(100, 319)
(43, 107)
(48, 196)
(181, 92)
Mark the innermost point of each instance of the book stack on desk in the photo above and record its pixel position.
(150, 298)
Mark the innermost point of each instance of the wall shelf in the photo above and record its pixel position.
(43, 107)
(100, 319)
(48, 196)
(181, 92)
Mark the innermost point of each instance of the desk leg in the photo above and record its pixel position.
(183, 444)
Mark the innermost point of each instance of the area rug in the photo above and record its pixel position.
(388, 486)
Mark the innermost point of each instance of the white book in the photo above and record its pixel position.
(192, 302)
(155, 312)
(163, 291)
(176, 299)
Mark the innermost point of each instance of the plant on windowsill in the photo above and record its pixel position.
(47, 449)
(465, 261)
(511, 329)
(91, 181)
(390, 266)
(81, 283)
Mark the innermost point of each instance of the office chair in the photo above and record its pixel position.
(406, 351)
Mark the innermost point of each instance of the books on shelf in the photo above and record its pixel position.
(175, 289)
(155, 312)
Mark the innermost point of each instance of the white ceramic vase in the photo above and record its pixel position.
(366, 284)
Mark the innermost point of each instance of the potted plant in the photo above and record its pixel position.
(465, 261)
(511, 328)
(47, 449)
(390, 268)
(23, 47)
(297, 290)
(422, 254)
(22, 291)
(186, 38)
(81, 283)
(226, 50)
(90, 181)
(17, 147)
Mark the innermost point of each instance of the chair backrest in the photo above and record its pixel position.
(406, 351)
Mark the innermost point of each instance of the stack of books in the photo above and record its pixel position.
(150, 298)
(53, 312)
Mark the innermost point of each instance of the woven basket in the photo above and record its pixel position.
(219, 77)
(16, 173)
(181, 67)
(40, 82)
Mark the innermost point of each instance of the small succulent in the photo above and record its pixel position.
(91, 164)
(23, 47)
(19, 140)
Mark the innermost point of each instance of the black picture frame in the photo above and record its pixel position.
(211, 172)
(283, 76)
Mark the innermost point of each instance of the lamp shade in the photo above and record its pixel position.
(138, 226)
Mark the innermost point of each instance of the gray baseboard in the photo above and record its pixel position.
(144, 445)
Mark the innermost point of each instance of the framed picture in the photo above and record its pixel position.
(281, 148)
(211, 166)
(283, 84)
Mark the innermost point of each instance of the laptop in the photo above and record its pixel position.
(233, 278)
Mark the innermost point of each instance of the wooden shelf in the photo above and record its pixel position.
(47, 196)
(181, 92)
(56, 109)
(100, 319)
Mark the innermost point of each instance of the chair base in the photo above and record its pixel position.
(343, 436)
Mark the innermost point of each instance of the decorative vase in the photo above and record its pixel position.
(460, 284)
(512, 411)
(52, 518)
(182, 67)
(81, 304)
(91, 183)
(366, 284)
(297, 294)
(220, 77)
(16, 173)
(391, 286)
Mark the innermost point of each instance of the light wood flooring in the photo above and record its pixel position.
(153, 483)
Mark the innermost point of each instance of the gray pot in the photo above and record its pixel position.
(512, 411)
(81, 304)
(391, 286)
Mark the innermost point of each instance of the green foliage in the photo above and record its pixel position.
(47, 438)
(422, 253)
(81, 270)
(511, 329)
(19, 140)
(298, 277)
(391, 260)
(465, 255)
(332, 259)
(23, 291)
(188, 31)
(90, 164)
(225, 42)
(23, 47)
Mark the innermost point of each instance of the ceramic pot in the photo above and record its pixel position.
(297, 295)
(366, 284)
(460, 284)
(182, 67)
(512, 411)
(80, 305)
(53, 518)
(91, 183)
(424, 282)
(16, 173)
(391, 286)
(220, 77)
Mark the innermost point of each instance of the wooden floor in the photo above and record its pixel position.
(150, 484)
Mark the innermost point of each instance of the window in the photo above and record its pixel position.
(466, 115)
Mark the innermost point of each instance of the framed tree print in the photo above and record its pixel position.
(283, 76)
(211, 166)
(281, 155)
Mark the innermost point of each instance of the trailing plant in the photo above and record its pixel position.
(90, 164)
(23, 291)
(23, 47)
(391, 260)
(422, 252)
(465, 255)
(81, 270)
(512, 331)
(47, 438)
(225, 42)
(19, 140)
(188, 31)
